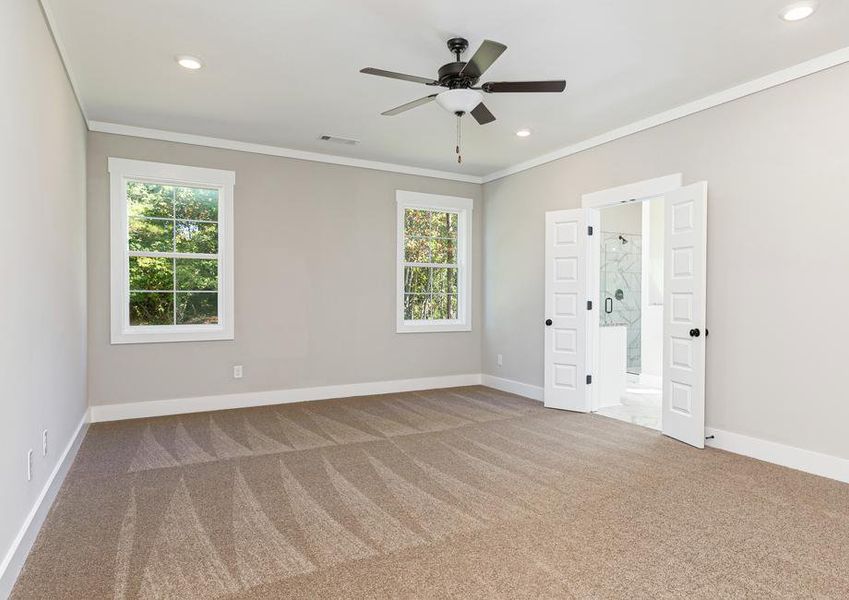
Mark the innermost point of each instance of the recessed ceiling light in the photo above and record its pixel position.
(523, 132)
(189, 62)
(798, 11)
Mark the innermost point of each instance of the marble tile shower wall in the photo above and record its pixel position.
(621, 266)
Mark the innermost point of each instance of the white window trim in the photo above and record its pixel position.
(121, 170)
(463, 207)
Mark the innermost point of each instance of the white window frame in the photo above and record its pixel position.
(121, 171)
(463, 207)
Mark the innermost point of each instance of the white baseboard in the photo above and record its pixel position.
(18, 551)
(534, 392)
(808, 461)
(158, 408)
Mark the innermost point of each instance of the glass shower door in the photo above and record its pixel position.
(621, 294)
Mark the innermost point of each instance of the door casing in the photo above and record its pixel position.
(635, 192)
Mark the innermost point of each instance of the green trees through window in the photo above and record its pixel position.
(430, 265)
(173, 262)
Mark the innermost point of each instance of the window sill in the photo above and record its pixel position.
(413, 327)
(155, 335)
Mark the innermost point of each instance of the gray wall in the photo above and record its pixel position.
(315, 283)
(625, 218)
(777, 166)
(42, 244)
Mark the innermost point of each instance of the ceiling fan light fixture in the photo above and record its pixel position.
(459, 100)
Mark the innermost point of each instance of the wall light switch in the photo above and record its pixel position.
(237, 372)
(500, 360)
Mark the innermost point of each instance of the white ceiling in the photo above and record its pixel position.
(283, 72)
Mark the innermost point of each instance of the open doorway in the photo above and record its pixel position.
(573, 291)
(630, 342)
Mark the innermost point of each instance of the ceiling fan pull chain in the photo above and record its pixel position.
(457, 149)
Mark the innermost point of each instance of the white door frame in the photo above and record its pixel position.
(633, 192)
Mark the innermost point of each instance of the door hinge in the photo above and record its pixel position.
(589, 379)
(589, 304)
(590, 230)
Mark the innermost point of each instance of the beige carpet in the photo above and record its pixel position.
(462, 493)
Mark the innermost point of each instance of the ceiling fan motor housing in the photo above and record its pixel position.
(450, 76)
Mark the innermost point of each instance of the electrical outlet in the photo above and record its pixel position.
(500, 359)
(29, 465)
(44, 443)
(237, 372)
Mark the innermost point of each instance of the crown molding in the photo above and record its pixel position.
(211, 142)
(820, 63)
(47, 13)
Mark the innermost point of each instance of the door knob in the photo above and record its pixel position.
(548, 322)
(695, 333)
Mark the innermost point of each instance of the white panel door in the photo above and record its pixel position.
(684, 330)
(567, 352)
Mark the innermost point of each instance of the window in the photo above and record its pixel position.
(434, 263)
(172, 252)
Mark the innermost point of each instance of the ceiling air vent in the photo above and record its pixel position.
(339, 140)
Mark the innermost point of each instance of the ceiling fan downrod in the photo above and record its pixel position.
(457, 46)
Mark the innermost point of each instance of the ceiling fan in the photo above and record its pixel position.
(461, 79)
(463, 94)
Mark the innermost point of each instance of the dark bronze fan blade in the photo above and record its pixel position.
(393, 75)
(497, 87)
(399, 109)
(482, 115)
(487, 54)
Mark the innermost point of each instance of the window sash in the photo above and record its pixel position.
(174, 291)
(172, 219)
(453, 265)
(432, 265)
(145, 254)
